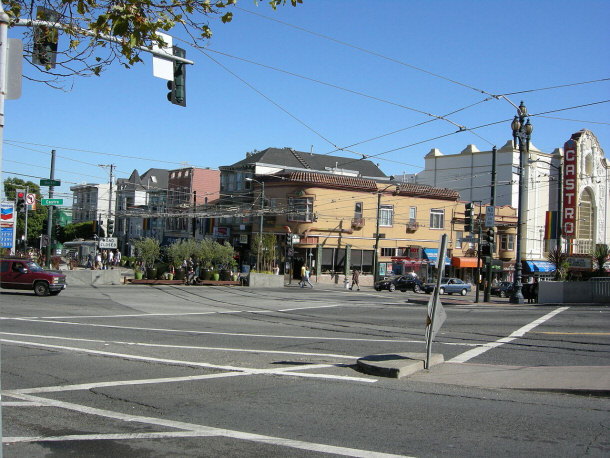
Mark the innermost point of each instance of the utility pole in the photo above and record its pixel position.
(109, 197)
(376, 253)
(25, 222)
(50, 210)
(110, 200)
(478, 271)
(194, 211)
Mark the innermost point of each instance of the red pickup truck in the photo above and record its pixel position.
(22, 273)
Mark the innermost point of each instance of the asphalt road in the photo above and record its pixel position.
(209, 371)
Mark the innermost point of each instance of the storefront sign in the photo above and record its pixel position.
(580, 263)
(570, 188)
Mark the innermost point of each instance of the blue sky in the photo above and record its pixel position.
(404, 59)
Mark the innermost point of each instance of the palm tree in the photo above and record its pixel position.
(560, 259)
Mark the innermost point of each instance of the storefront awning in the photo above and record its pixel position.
(431, 254)
(539, 266)
(465, 262)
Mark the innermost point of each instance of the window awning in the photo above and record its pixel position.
(431, 254)
(539, 266)
(464, 262)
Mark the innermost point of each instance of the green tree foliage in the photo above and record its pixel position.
(147, 250)
(133, 24)
(601, 253)
(268, 247)
(207, 252)
(76, 231)
(35, 217)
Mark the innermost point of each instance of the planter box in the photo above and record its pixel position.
(256, 280)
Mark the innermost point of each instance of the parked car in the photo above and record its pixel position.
(502, 289)
(449, 285)
(400, 282)
(22, 273)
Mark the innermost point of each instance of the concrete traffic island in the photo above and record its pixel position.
(397, 365)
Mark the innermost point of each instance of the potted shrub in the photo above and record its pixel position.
(148, 250)
(137, 272)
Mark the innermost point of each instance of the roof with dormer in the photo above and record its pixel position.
(290, 159)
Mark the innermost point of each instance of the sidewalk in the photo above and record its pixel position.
(588, 380)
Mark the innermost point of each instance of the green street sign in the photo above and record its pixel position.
(47, 182)
(52, 201)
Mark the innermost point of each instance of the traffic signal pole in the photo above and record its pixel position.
(4, 19)
(492, 203)
(50, 210)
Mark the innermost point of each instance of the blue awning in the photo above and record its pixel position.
(432, 255)
(540, 266)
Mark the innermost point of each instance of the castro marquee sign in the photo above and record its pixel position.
(570, 188)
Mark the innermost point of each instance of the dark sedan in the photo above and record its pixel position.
(400, 282)
(502, 289)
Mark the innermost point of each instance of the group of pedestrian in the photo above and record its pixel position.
(305, 273)
(104, 260)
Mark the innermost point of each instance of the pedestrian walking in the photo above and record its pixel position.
(303, 270)
(306, 278)
(356, 279)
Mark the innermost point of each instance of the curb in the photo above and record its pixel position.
(397, 365)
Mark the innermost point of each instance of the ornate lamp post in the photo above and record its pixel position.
(522, 131)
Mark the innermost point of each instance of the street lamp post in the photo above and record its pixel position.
(522, 131)
(260, 228)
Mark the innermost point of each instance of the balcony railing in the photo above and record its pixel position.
(357, 223)
(412, 226)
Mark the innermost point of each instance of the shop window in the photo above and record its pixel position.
(388, 252)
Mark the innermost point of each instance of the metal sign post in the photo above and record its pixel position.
(436, 313)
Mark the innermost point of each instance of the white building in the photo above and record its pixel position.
(469, 173)
(90, 202)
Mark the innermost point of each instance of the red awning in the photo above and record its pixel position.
(463, 262)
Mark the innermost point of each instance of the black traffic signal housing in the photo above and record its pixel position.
(177, 88)
(20, 200)
(487, 245)
(110, 227)
(44, 52)
(469, 217)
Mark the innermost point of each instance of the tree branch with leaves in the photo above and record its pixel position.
(134, 24)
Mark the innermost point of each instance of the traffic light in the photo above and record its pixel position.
(469, 217)
(45, 39)
(487, 244)
(20, 200)
(110, 227)
(177, 94)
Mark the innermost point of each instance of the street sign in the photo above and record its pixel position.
(48, 182)
(470, 239)
(490, 216)
(52, 201)
(108, 243)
